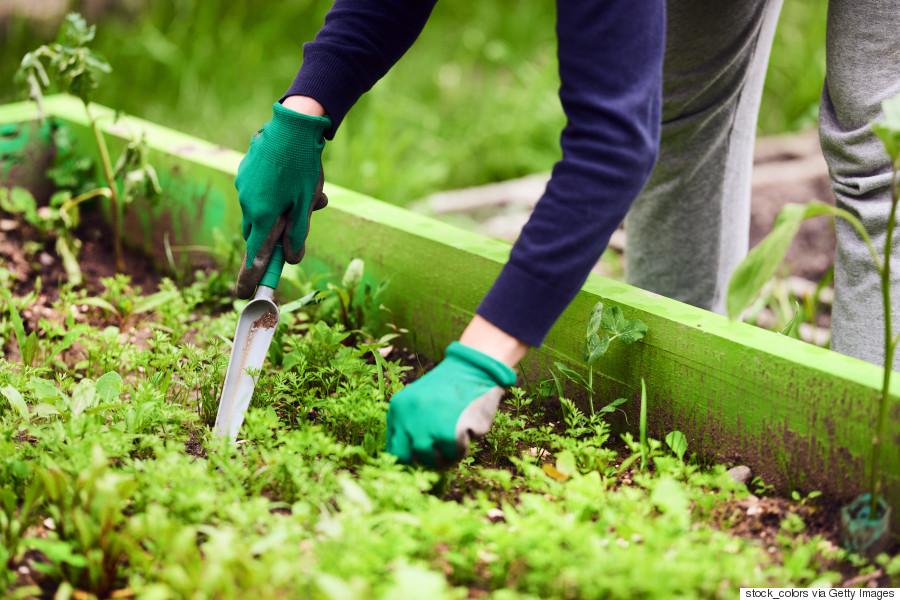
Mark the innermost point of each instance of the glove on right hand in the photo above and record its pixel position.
(280, 174)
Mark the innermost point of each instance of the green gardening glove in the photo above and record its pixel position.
(432, 420)
(280, 174)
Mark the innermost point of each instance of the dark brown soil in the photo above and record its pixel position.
(96, 259)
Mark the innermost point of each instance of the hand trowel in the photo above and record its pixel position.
(255, 330)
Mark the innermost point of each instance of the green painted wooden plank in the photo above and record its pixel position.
(802, 417)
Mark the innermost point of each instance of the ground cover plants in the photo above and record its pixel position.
(113, 485)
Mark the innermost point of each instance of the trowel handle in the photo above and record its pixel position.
(273, 270)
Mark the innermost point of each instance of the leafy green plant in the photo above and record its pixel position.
(676, 442)
(613, 326)
(86, 547)
(76, 69)
(760, 265)
(123, 301)
(56, 221)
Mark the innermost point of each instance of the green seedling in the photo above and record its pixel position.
(613, 326)
(762, 262)
(676, 441)
(123, 301)
(76, 70)
(56, 221)
(760, 487)
(798, 497)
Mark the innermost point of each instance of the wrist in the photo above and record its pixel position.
(304, 105)
(487, 338)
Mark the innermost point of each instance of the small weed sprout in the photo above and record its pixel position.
(612, 324)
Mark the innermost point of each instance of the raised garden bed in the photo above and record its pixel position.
(308, 504)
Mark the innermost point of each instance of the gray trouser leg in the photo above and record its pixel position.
(689, 228)
(863, 69)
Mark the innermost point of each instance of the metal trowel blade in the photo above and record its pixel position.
(255, 330)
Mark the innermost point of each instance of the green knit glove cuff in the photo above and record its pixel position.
(501, 374)
(288, 137)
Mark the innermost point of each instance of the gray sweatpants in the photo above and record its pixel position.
(689, 228)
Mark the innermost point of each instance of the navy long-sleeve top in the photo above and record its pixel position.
(610, 67)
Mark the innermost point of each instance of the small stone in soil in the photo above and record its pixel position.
(495, 515)
(741, 473)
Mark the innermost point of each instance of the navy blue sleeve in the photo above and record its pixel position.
(610, 67)
(359, 42)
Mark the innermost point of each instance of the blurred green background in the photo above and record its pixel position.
(473, 102)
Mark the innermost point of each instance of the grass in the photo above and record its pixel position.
(473, 102)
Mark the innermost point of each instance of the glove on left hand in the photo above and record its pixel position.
(433, 419)
(280, 174)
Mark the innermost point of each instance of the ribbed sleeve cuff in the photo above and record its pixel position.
(523, 306)
(331, 82)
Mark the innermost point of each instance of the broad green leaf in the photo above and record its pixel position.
(595, 347)
(108, 386)
(354, 496)
(29, 352)
(565, 463)
(571, 375)
(613, 321)
(84, 396)
(18, 326)
(16, 400)
(594, 322)
(100, 303)
(58, 551)
(69, 258)
(353, 275)
(44, 409)
(70, 338)
(670, 497)
(545, 387)
(559, 389)
(19, 201)
(762, 262)
(611, 407)
(632, 331)
(43, 389)
(310, 298)
(148, 303)
(888, 129)
(677, 442)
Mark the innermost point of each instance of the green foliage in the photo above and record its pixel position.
(76, 70)
(764, 259)
(761, 263)
(888, 130)
(111, 481)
